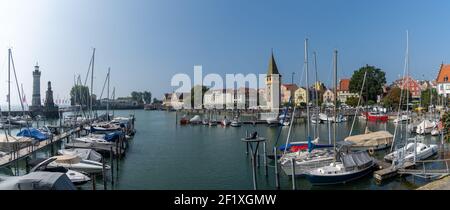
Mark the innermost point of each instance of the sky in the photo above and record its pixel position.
(147, 42)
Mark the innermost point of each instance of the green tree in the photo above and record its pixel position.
(446, 124)
(392, 99)
(79, 95)
(137, 96)
(352, 101)
(375, 80)
(426, 97)
(194, 89)
(147, 96)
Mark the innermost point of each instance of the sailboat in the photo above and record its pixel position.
(413, 150)
(235, 122)
(311, 158)
(346, 166)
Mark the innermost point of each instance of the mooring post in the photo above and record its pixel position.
(293, 173)
(104, 173)
(111, 160)
(254, 171)
(265, 159)
(93, 181)
(277, 175)
(27, 165)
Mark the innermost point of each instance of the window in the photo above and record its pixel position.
(446, 78)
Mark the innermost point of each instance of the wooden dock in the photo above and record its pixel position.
(27, 151)
(387, 171)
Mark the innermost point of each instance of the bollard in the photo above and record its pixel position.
(254, 172)
(293, 173)
(277, 175)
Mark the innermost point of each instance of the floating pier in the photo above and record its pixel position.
(388, 171)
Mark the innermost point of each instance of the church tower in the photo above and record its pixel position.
(273, 85)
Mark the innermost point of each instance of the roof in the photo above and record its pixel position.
(290, 86)
(344, 85)
(444, 72)
(272, 66)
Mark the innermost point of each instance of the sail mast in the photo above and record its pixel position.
(9, 91)
(107, 92)
(316, 94)
(307, 89)
(92, 83)
(335, 98)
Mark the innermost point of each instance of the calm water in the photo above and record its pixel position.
(164, 155)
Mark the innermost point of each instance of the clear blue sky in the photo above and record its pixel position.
(146, 42)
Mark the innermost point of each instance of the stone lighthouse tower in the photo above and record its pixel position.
(273, 86)
(36, 101)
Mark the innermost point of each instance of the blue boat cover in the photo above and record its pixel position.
(113, 136)
(33, 133)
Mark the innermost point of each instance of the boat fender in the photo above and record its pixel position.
(371, 151)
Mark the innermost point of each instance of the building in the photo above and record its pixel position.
(288, 91)
(36, 97)
(242, 98)
(300, 96)
(273, 86)
(167, 98)
(443, 80)
(343, 91)
(413, 86)
(328, 97)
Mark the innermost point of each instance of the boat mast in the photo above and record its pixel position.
(307, 89)
(9, 91)
(335, 99)
(92, 83)
(407, 77)
(107, 92)
(316, 130)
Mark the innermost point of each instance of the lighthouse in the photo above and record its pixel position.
(36, 101)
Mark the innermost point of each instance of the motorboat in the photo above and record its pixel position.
(213, 123)
(371, 141)
(74, 162)
(184, 120)
(39, 180)
(205, 122)
(272, 121)
(425, 127)
(349, 167)
(235, 122)
(77, 178)
(402, 119)
(33, 133)
(225, 122)
(377, 116)
(85, 154)
(103, 127)
(418, 150)
(305, 160)
(195, 120)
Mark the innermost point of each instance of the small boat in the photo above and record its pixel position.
(213, 123)
(272, 121)
(371, 141)
(350, 167)
(75, 163)
(225, 122)
(205, 122)
(85, 154)
(316, 120)
(425, 127)
(402, 119)
(33, 133)
(235, 122)
(195, 120)
(75, 177)
(407, 153)
(184, 120)
(377, 116)
(39, 180)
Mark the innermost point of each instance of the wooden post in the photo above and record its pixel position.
(111, 160)
(277, 175)
(27, 165)
(104, 173)
(293, 173)
(93, 181)
(265, 159)
(254, 170)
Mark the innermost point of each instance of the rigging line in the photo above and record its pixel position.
(18, 90)
(359, 101)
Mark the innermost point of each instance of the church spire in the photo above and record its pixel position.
(272, 65)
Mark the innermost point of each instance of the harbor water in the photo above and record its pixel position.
(166, 155)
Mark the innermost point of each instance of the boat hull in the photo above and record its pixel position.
(338, 178)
